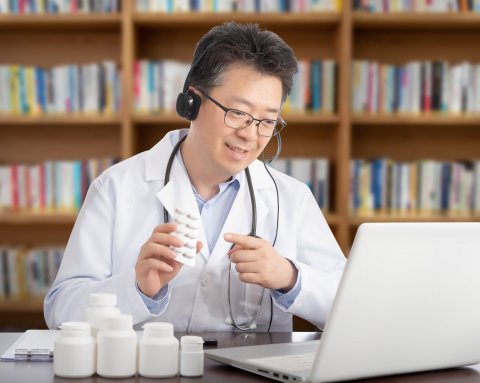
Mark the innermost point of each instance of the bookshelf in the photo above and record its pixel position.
(50, 40)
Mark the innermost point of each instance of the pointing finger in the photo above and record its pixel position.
(245, 241)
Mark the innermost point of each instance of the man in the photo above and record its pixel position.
(263, 255)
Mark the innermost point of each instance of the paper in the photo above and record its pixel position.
(32, 345)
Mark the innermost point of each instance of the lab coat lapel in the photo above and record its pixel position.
(178, 191)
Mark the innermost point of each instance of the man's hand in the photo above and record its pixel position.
(156, 265)
(258, 262)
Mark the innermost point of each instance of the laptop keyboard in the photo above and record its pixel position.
(292, 363)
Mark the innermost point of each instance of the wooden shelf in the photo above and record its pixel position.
(294, 118)
(356, 220)
(421, 21)
(159, 118)
(60, 120)
(433, 119)
(23, 218)
(332, 218)
(64, 22)
(311, 118)
(190, 19)
(25, 305)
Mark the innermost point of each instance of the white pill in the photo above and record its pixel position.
(177, 250)
(189, 253)
(181, 210)
(181, 220)
(192, 225)
(192, 216)
(190, 234)
(182, 229)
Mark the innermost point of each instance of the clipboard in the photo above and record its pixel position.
(32, 346)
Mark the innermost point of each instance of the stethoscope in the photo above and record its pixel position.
(249, 324)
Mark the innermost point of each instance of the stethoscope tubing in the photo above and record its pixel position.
(250, 323)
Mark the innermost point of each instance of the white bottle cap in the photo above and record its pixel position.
(191, 343)
(158, 329)
(102, 299)
(75, 328)
(118, 322)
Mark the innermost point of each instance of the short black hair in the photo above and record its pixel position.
(231, 43)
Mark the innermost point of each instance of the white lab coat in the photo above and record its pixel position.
(125, 204)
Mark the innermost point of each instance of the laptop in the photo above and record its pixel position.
(408, 301)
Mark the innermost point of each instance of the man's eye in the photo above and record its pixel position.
(269, 123)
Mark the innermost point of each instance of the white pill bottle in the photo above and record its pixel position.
(99, 305)
(191, 356)
(74, 351)
(158, 351)
(117, 347)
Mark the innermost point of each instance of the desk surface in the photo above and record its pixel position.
(42, 372)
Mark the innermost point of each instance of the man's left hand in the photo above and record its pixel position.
(258, 262)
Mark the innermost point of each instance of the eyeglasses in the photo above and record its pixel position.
(237, 119)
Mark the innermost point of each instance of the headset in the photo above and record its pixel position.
(188, 102)
(187, 106)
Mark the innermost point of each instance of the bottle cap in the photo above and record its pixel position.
(158, 329)
(117, 322)
(75, 328)
(191, 343)
(102, 299)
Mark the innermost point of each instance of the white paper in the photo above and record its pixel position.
(32, 339)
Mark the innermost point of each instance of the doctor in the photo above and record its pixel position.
(265, 251)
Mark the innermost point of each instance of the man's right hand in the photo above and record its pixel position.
(156, 265)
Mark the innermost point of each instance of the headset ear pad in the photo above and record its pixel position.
(188, 104)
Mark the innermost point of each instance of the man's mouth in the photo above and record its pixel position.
(236, 149)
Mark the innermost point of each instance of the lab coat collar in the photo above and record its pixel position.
(157, 157)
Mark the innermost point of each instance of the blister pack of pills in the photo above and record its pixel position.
(187, 232)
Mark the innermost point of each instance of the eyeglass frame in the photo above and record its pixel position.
(279, 121)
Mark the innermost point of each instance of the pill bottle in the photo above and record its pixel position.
(191, 356)
(158, 351)
(99, 305)
(117, 347)
(74, 351)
